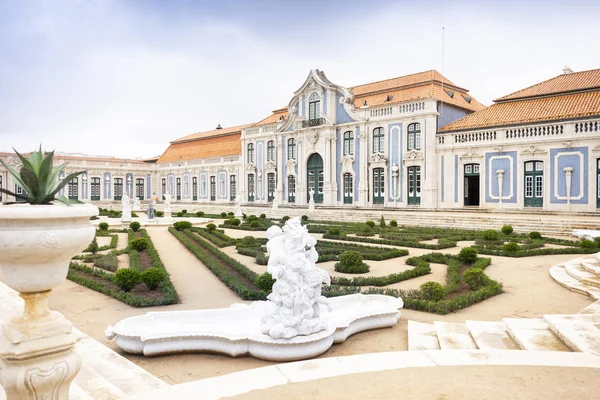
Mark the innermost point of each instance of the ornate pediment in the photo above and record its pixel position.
(250, 167)
(470, 154)
(378, 160)
(313, 137)
(270, 166)
(413, 155)
(532, 150)
(346, 162)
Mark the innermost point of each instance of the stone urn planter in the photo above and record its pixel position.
(37, 243)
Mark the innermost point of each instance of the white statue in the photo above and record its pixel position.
(167, 202)
(311, 196)
(126, 207)
(136, 204)
(297, 288)
(238, 206)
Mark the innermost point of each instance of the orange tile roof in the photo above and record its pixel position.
(215, 146)
(428, 91)
(577, 81)
(213, 133)
(59, 157)
(394, 83)
(574, 105)
(277, 114)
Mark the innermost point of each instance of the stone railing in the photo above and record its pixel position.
(588, 126)
(412, 107)
(532, 131)
(381, 111)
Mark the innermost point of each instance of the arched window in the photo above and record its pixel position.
(349, 143)
(378, 140)
(291, 149)
(139, 188)
(270, 151)
(72, 190)
(414, 137)
(314, 106)
(250, 152)
(291, 189)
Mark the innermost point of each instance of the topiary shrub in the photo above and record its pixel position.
(511, 247)
(394, 223)
(93, 247)
(351, 262)
(432, 291)
(244, 216)
(139, 244)
(265, 282)
(284, 219)
(366, 230)
(490, 235)
(126, 279)
(230, 214)
(184, 211)
(304, 218)
(263, 216)
(382, 222)
(199, 214)
(247, 241)
(535, 235)
(588, 244)
(103, 226)
(134, 226)
(597, 240)
(334, 231)
(179, 214)
(224, 214)
(474, 278)
(467, 255)
(371, 224)
(211, 227)
(153, 277)
(159, 213)
(235, 222)
(181, 225)
(507, 229)
(254, 224)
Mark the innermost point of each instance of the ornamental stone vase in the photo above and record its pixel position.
(37, 243)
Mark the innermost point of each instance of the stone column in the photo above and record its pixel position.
(279, 186)
(363, 183)
(568, 175)
(430, 187)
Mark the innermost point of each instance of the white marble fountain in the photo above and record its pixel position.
(295, 323)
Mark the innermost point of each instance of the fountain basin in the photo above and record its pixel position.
(235, 331)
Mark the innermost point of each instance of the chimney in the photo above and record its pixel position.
(567, 70)
(219, 126)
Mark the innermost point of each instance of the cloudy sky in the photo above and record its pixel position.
(124, 77)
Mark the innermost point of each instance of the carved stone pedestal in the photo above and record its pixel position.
(38, 369)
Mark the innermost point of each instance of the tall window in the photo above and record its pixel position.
(195, 188)
(178, 188)
(378, 140)
(18, 189)
(291, 189)
(270, 187)
(164, 186)
(139, 188)
(95, 189)
(414, 137)
(250, 153)
(213, 188)
(270, 151)
(348, 188)
(73, 191)
(349, 143)
(232, 188)
(250, 187)
(314, 106)
(291, 149)
(118, 188)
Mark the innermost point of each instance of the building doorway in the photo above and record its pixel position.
(378, 185)
(472, 185)
(270, 187)
(534, 184)
(414, 185)
(315, 177)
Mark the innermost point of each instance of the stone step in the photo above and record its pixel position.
(561, 276)
(96, 386)
(533, 334)
(593, 308)
(591, 265)
(454, 336)
(422, 336)
(580, 332)
(491, 335)
(577, 271)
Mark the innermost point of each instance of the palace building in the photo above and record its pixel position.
(416, 141)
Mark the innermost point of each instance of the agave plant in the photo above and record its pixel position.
(39, 179)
